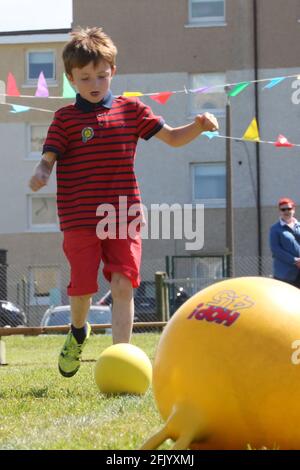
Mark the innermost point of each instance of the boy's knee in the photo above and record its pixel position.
(121, 287)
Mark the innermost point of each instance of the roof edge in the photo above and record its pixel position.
(36, 31)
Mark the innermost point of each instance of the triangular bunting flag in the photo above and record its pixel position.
(238, 89)
(252, 131)
(132, 93)
(16, 108)
(202, 89)
(42, 88)
(68, 91)
(162, 97)
(283, 142)
(210, 134)
(11, 86)
(273, 82)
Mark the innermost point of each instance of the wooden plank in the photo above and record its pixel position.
(39, 330)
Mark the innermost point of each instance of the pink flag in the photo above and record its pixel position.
(42, 88)
(11, 86)
(283, 142)
(162, 97)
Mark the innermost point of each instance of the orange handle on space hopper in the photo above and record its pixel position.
(226, 371)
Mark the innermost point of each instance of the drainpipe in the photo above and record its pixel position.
(257, 146)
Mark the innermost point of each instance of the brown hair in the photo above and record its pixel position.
(88, 45)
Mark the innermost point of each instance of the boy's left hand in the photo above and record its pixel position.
(207, 121)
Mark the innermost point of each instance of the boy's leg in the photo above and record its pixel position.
(122, 260)
(79, 311)
(122, 308)
(83, 251)
(80, 305)
(69, 358)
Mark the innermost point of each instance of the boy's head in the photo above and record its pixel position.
(89, 58)
(88, 45)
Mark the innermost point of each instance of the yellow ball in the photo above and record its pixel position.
(123, 368)
(226, 371)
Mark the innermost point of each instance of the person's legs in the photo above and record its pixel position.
(122, 308)
(79, 311)
(83, 251)
(80, 308)
(122, 259)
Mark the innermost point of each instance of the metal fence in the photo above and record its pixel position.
(37, 295)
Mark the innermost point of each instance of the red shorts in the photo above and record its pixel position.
(84, 251)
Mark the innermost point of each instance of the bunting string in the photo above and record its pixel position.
(68, 92)
(231, 89)
(20, 109)
(279, 143)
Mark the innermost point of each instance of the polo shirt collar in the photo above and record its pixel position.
(283, 223)
(87, 106)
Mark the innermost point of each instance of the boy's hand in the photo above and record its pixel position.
(40, 177)
(207, 121)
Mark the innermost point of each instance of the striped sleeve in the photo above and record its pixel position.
(148, 124)
(57, 139)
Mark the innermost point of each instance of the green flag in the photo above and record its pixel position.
(68, 91)
(238, 88)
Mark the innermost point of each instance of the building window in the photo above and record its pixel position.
(212, 98)
(42, 213)
(2, 92)
(209, 184)
(43, 282)
(36, 137)
(205, 12)
(41, 61)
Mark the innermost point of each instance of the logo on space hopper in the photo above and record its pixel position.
(223, 308)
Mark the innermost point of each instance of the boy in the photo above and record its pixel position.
(93, 143)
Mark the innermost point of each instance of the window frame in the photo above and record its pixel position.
(2, 92)
(205, 21)
(49, 227)
(219, 112)
(212, 203)
(34, 81)
(31, 155)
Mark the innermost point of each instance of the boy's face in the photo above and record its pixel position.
(93, 82)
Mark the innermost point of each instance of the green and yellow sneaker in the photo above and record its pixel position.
(69, 358)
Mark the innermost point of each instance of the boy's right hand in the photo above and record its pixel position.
(40, 177)
(42, 171)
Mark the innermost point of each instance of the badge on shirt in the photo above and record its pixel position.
(87, 134)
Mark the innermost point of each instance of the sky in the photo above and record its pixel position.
(22, 15)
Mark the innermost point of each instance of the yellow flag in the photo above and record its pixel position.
(132, 93)
(252, 131)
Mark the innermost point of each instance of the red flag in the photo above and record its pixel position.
(11, 87)
(283, 142)
(162, 97)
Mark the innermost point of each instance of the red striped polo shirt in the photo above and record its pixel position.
(95, 146)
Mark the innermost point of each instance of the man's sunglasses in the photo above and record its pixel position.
(284, 209)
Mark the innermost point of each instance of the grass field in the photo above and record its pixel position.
(39, 409)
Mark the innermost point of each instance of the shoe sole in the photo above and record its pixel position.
(67, 374)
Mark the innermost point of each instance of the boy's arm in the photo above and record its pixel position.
(42, 171)
(178, 136)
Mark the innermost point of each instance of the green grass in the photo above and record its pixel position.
(39, 409)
